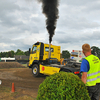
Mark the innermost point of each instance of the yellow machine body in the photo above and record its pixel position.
(40, 51)
(48, 70)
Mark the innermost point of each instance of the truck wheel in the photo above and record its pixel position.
(35, 70)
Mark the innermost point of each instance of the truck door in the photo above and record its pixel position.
(34, 54)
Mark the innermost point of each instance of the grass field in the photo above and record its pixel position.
(25, 65)
(6, 94)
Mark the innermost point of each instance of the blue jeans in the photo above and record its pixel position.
(94, 91)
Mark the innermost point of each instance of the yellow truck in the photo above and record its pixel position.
(41, 63)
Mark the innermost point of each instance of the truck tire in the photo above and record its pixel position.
(35, 70)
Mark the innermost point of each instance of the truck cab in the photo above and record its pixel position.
(41, 63)
(39, 54)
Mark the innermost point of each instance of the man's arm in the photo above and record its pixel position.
(84, 77)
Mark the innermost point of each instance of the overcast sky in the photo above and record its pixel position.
(22, 23)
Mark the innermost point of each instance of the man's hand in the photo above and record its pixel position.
(84, 77)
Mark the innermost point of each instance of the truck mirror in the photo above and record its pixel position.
(29, 50)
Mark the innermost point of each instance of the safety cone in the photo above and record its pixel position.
(13, 88)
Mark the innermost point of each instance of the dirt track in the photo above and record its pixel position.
(23, 79)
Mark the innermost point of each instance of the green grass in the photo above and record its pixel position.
(25, 65)
(4, 89)
(6, 94)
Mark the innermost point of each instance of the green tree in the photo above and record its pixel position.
(12, 53)
(7, 54)
(3, 54)
(65, 54)
(19, 52)
(26, 53)
(0, 55)
(95, 51)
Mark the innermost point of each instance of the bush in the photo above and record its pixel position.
(62, 86)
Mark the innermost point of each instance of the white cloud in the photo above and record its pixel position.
(22, 24)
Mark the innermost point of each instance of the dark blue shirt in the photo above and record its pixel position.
(84, 66)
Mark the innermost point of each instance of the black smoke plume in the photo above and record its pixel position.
(50, 9)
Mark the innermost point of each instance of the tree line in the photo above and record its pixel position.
(65, 53)
(13, 53)
(94, 50)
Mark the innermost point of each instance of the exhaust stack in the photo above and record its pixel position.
(49, 50)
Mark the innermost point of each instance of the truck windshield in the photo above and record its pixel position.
(34, 49)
